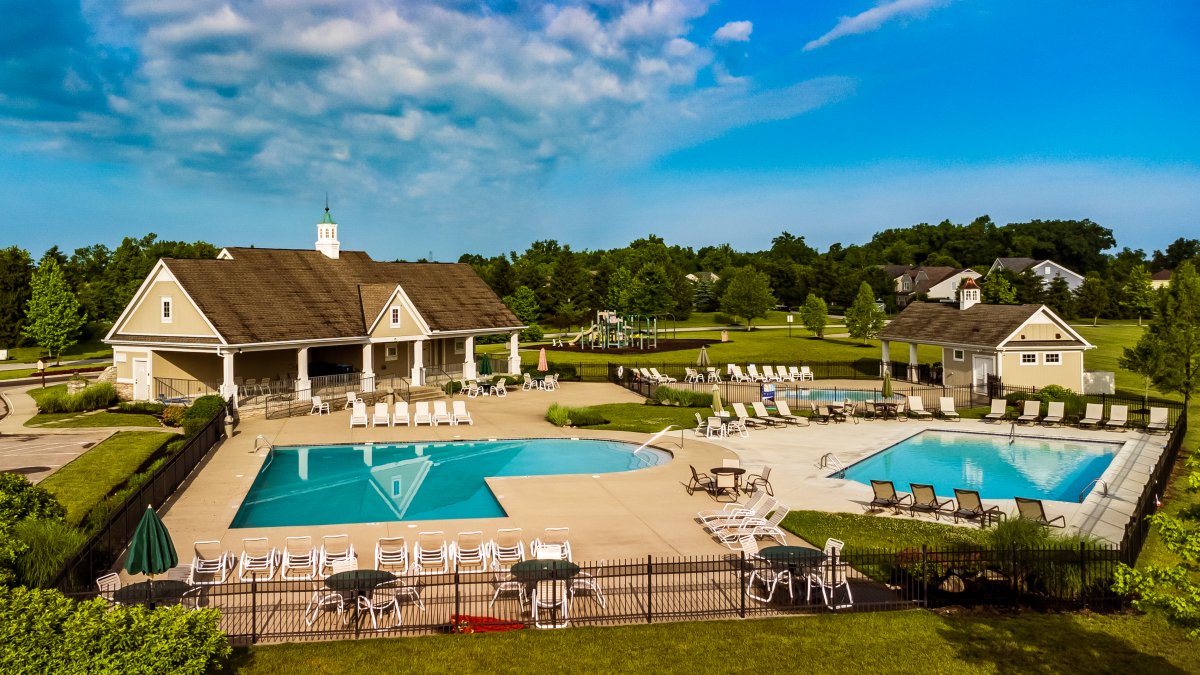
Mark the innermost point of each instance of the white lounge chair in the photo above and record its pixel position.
(358, 415)
(553, 538)
(662, 379)
(527, 383)
(108, 585)
(430, 555)
(1031, 411)
(507, 548)
(760, 411)
(381, 418)
(1093, 415)
(422, 416)
(946, 408)
(469, 552)
(1118, 416)
(299, 559)
(768, 372)
(916, 406)
(586, 583)
(736, 374)
(258, 560)
(755, 376)
(739, 411)
(319, 407)
(210, 563)
(351, 399)
(1158, 419)
(805, 373)
(1055, 411)
(391, 555)
(335, 548)
(440, 414)
(999, 410)
(784, 411)
(461, 416)
(401, 415)
(784, 375)
(766, 527)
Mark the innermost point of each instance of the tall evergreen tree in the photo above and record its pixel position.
(1137, 296)
(16, 270)
(1091, 298)
(706, 297)
(1170, 347)
(864, 319)
(53, 317)
(1058, 298)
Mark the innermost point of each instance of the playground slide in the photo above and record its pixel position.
(582, 334)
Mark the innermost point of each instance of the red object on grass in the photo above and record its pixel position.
(465, 623)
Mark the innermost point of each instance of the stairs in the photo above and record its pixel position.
(425, 393)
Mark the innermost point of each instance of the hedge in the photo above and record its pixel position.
(95, 397)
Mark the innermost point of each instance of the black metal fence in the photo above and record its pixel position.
(1139, 526)
(101, 550)
(652, 589)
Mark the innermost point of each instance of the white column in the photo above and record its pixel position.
(514, 357)
(418, 367)
(368, 367)
(469, 358)
(912, 362)
(228, 388)
(303, 465)
(303, 386)
(886, 356)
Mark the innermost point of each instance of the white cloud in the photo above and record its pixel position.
(734, 31)
(873, 18)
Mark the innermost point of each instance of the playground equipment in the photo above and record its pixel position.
(615, 330)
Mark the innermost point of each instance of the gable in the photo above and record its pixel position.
(1045, 329)
(381, 324)
(145, 314)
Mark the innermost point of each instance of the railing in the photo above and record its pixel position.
(655, 589)
(181, 390)
(101, 550)
(438, 376)
(333, 389)
(1138, 527)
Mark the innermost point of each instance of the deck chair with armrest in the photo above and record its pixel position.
(469, 552)
(662, 379)
(784, 411)
(1033, 509)
(970, 507)
(769, 373)
(716, 522)
(821, 413)
(831, 576)
(507, 548)
(765, 572)
(351, 399)
(739, 411)
(319, 407)
(1055, 412)
(430, 555)
(1158, 419)
(299, 559)
(391, 555)
(946, 408)
(755, 376)
(924, 499)
(459, 414)
(760, 411)
(806, 374)
(700, 481)
(886, 496)
(715, 427)
(916, 407)
(701, 425)
(210, 563)
(999, 410)
(1030, 411)
(335, 548)
(759, 482)
(258, 560)
(759, 504)
(358, 415)
(381, 417)
(553, 539)
(108, 585)
(1118, 417)
(1093, 415)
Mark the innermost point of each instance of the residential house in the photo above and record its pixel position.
(938, 283)
(1047, 270)
(706, 276)
(294, 315)
(1161, 279)
(1023, 345)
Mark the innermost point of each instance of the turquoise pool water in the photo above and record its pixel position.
(333, 484)
(828, 395)
(1041, 468)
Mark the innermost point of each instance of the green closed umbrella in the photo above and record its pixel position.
(151, 551)
(718, 405)
(485, 365)
(887, 384)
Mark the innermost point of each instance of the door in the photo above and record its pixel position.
(982, 369)
(141, 380)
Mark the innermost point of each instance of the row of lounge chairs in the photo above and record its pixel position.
(652, 375)
(741, 420)
(966, 505)
(1093, 415)
(770, 374)
(382, 417)
(733, 524)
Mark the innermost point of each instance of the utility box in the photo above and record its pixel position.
(3, 354)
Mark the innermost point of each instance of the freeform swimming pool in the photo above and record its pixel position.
(326, 485)
(831, 395)
(1037, 467)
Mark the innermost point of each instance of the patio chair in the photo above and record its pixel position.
(507, 548)
(715, 426)
(759, 504)
(108, 585)
(503, 581)
(701, 425)
(472, 389)
(401, 415)
(469, 552)
(351, 399)
(784, 411)
(1030, 411)
(662, 379)
(460, 414)
(766, 573)
(1118, 417)
(550, 597)
(886, 495)
(999, 410)
(970, 507)
(430, 553)
(736, 425)
(821, 413)
(712, 375)
(384, 597)
(755, 376)
(319, 407)
(584, 582)
(760, 411)
(527, 383)
(690, 375)
(946, 408)
(553, 537)
(806, 373)
(925, 499)
(499, 388)
(258, 560)
(391, 555)
(299, 559)
(358, 415)
(1158, 419)
(760, 481)
(322, 599)
(831, 576)
(210, 563)
(1093, 415)
(739, 411)
(699, 481)
(335, 548)
(381, 418)
(1033, 509)
(916, 407)
(1055, 411)
(550, 382)
(441, 414)
(422, 415)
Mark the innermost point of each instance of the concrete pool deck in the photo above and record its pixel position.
(618, 515)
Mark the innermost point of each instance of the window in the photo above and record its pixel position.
(959, 355)
(460, 345)
(395, 317)
(1029, 359)
(166, 310)
(1047, 271)
(1052, 358)
(391, 352)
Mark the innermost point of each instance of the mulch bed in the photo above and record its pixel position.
(663, 346)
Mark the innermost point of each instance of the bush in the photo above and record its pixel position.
(21, 500)
(452, 387)
(47, 632)
(724, 319)
(142, 407)
(533, 333)
(172, 415)
(201, 412)
(683, 397)
(48, 544)
(95, 397)
(561, 416)
(558, 415)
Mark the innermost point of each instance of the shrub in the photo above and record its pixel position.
(586, 417)
(201, 412)
(172, 415)
(95, 397)
(533, 333)
(47, 632)
(21, 500)
(683, 397)
(48, 544)
(558, 415)
(452, 387)
(142, 407)
(724, 319)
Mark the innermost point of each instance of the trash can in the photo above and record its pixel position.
(724, 336)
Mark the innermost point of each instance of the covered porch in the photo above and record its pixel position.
(959, 366)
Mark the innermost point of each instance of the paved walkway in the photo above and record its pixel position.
(76, 362)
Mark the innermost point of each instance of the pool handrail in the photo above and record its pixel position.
(659, 434)
(825, 460)
(1088, 487)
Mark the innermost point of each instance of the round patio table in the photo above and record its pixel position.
(792, 556)
(735, 471)
(533, 571)
(885, 409)
(363, 581)
(164, 592)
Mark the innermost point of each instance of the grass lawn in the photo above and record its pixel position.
(30, 372)
(912, 641)
(645, 418)
(98, 419)
(708, 320)
(89, 349)
(874, 532)
(90, 477)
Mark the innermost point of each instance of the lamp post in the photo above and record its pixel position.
(41, 366)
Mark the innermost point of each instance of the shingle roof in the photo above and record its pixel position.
(272, 295)
(1161, 275)
(1017, 265)
(980, 325)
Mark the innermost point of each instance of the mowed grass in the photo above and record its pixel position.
(643, 418)
(92, 420)
(911, 641)
(876, 532)
(87, 349)
(89, 478)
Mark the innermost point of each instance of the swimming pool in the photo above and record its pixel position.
(831, 395)
(326, 485)
(1041, 468)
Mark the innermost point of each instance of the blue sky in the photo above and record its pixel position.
(451, 127)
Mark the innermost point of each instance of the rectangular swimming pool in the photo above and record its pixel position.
(334, 484)
(995, 465)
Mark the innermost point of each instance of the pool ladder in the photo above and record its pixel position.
(259, 443)
(1098, 481)
(830, 460)
(659, 435)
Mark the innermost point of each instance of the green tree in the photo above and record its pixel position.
(1091, 298)
(814, 315)
(706, 297)
(52, 313)
(1137, 296)
(617, 296)
(16, 269)
(1169, 351)
(748, 295)
(652, 291)
(1058, 298)
(1030, 288)
(524, 303)
(997, 290)
(864, 319)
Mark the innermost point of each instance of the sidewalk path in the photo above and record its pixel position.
(77, 362)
